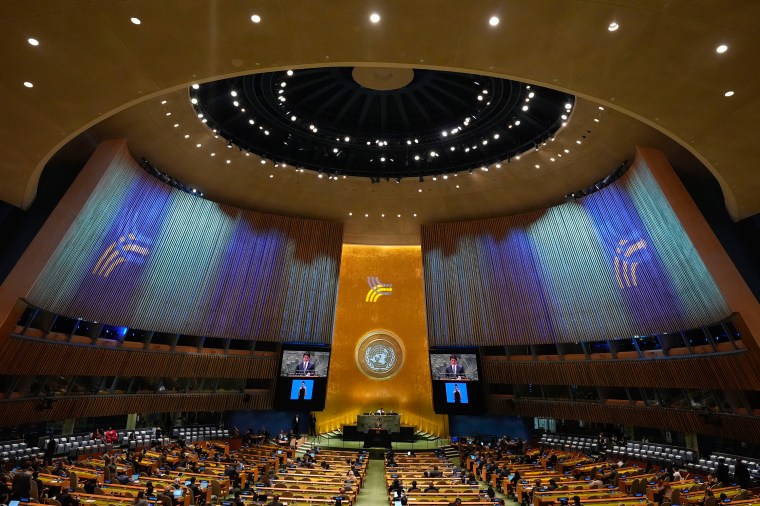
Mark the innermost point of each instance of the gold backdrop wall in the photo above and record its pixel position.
(399, 310)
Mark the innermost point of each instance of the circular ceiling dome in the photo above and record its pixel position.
(380, 122)
(382, 78)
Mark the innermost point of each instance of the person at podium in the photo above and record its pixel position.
(380, 411)
(454, 370)
(306, 367)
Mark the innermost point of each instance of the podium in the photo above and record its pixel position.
(391, 423)
(377, 438)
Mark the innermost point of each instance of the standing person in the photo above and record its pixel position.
(454, 370)
(313, 424)
(296, 425)
(721, 472)
(306, 367)
(741, 474)
(457, 395)
(50, 451)
(302, 391)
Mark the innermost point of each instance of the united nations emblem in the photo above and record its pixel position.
(379, 354)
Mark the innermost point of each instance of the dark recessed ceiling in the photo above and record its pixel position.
(323, 119)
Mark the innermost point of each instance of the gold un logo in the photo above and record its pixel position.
(377, 289)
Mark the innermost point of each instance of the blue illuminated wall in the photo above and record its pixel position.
(144, 255)
(616, 263)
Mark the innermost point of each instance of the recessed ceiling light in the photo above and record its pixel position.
(168, 114)
(271, 175)
(419, 190)
(350, 214)
(525, 108)
(197, 145)
(493, 21)
(729, 93)
(537, 166)
(228, 161)
(292, 118)
(374, 17)
(35, 42)
(28, 84)
(195, 86)
(135, 21)
(568, 106)
(720, 49)
(613, 26)
(187, 136)
(289, 72)
(176, 125)
(415, 215)
(213, 154)
(163, 102)
(256, 18)
(193, 100)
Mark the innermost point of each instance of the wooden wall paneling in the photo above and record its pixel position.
(23, 411)
(738, 370)
(741, 428)
(37, 357)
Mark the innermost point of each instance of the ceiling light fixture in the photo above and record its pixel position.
(135, 21)
(613, 26)
(493, 21)
(256, 18)
(729, 93)
(35, 42)
(720, 49)
(374, 17)
(28, 84)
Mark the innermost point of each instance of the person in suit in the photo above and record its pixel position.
(306, 367)
(296, 425)
(454, 370)
(302, 391)
(457, 395)
(313, 424)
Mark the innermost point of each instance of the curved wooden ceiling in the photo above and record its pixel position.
(658, 77)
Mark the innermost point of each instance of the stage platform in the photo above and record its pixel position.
(337, 441)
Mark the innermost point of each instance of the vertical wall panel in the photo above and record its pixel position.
(144, 255)
(616, 263)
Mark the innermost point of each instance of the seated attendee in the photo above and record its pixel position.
(435, 473)
(576, 501)
(596, 483)
(456, 502)
(275, 501)
(140, 499)
(21, 486)
(552, 484)
(395, 486)
(236, 500)
(90, 486)
(676, 475)
(414, 487)
(123, 479)
(431, 488)
(66, 500)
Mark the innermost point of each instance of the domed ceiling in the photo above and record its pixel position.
(380, 122)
